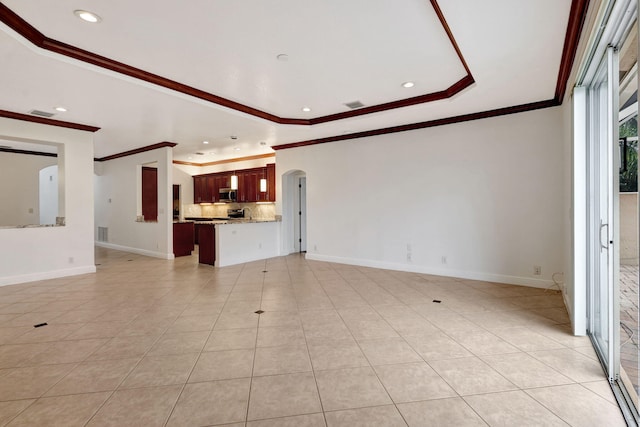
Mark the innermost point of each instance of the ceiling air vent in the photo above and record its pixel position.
(355, 104)
(4, 147)
(200, 154)
(41, 113)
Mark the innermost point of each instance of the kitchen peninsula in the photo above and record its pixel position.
(234, 241)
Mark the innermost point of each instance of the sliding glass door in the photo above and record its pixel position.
(602, 107)
(607, 97)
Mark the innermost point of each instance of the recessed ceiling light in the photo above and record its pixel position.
(189, 157)
(306, 109)
(61, 109)
(87, 16)
(408, 84)
(263, 143)
(205, 142)
(282, 57)
(237, 148)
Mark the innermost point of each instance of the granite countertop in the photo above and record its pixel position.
(230, 221)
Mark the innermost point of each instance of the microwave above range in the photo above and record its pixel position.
(227, 195)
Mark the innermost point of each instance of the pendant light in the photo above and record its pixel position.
(234, 181)
(263, 183)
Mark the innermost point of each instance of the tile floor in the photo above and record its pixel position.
(149, 342)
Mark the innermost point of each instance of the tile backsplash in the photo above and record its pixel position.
(257, 211)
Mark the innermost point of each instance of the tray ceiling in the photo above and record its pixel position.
(506, 53)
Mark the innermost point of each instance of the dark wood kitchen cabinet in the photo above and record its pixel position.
(271, 182)
(248, 182)
(149, 193)
(200, 192)
(206, 188)
(207, 244)
(183, 234)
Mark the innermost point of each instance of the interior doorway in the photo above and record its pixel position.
(294, 210)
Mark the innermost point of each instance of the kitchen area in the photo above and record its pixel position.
(232, 219)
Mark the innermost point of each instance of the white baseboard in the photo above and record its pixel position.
(138, 251)
(45, 275)
(461, 274)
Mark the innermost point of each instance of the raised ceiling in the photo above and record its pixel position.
(464, 57)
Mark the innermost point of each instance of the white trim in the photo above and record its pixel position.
(461, 274)
(55, 274)
(135, 250)
(578, 308)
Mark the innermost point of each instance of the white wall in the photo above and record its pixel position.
(117, 196)
(185, 181)
(28, 254)
(19, 187)
(486, 194)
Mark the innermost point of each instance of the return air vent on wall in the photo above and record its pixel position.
(355, 104)
(103, 234)
(41, 113)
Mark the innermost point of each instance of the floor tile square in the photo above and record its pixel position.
(525, 371)
(9, 410)
(311, 420)
(350, 388)
(283, 395)
(512, 408)
(584, 409)
(438, 346)
(161, 370)
(149, 406)
(275, 336)
(335, 354)
(232, 339)
(388, 351)
(30, 382)
(222, 365)
(413, 382)
(387, 416)
(67, 411)
(214, 402)
(440, 413)
(471, 375)
(94, 376)
(182, 343)
(281, 360)
(570, 363)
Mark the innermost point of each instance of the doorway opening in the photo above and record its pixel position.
(294, 209)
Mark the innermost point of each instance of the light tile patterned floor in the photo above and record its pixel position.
(629, 322)
(150, 342)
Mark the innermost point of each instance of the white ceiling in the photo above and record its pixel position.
(338, 52)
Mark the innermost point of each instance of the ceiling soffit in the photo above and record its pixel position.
(40, 40)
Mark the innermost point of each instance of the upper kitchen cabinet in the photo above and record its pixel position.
(248, 181)
(203, 189)
(271, 182)
(206, 188)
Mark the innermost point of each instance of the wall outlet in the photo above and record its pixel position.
(444, 259)
(408, 256)
(537, 270)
